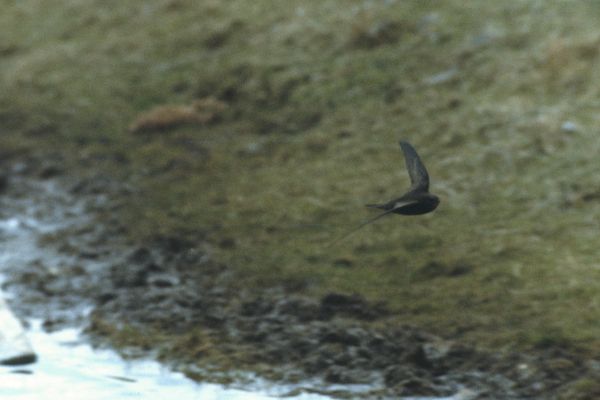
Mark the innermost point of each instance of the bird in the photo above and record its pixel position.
(416, 201)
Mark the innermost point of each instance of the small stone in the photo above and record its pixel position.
(397, 373)
(343, 262)
(442, 77)
(344, 134)
(14, 346)
(569, 127)
(227, 243)
(3, 183)
(49, 171)
(163, 282)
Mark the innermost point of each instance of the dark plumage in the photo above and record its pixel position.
(416, 201)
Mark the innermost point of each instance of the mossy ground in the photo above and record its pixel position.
(499, 98)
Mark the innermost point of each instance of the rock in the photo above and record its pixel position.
(569, 127)
(350, 306)
(446, 76)
(14, 346)
(396, 374)
(3, 183)
(49, 171)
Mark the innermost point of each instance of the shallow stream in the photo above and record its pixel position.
(67, 366)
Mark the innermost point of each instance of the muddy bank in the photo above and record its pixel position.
(170, 299)
(174, 288)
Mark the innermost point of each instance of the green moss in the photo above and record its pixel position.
(318, 97)
(582, 389)
(125, 336)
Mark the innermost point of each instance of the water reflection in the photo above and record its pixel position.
(69, 369)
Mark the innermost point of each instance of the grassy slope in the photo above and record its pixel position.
(318, 96)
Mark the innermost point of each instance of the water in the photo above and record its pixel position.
(68, 368)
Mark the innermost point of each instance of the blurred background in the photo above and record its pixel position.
(263, 127)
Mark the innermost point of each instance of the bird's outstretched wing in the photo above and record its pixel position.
(393, 205)
(419, 178)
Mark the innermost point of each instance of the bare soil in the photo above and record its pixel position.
(144, 298)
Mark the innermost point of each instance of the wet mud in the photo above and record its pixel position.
(170, 299)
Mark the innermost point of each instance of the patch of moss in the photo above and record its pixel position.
(126, 337)
(582, 389)
(498, 98)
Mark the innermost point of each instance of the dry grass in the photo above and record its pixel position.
(167, 117)
(318, 97)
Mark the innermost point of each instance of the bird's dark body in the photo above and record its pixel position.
(412, 203)
(416, 201)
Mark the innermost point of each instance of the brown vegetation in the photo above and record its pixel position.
(170, 116)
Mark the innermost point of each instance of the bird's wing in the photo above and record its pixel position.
(403, 203)
(394, 204)
(419, 178)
